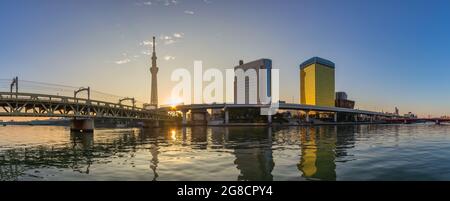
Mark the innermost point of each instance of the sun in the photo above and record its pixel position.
(174, 102)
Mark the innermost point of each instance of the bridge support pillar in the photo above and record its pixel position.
(184, 121)
(307, 116)
(356, 117)
(335, 118)
(269, 119)
(438, 122)
(227, 116)
(82, 125)
(199, 117)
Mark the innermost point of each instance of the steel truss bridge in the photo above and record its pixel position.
(42, 105)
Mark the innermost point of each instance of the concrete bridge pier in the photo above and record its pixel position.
(269, 119)
(335, 117)
(184, 121)
(356, 118)
(82, 125)
(199, 117)
(307, 116)
(227, 116)
(437, 122)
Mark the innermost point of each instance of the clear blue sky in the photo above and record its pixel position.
(387, 53)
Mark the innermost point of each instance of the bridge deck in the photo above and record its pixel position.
(281, 106)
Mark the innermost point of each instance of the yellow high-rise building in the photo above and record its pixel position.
(317, 82)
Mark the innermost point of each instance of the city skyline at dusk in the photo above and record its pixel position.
(383, 60)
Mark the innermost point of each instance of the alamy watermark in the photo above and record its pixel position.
(221, 89)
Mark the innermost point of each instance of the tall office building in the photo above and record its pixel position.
(248, 90)
(317, 82)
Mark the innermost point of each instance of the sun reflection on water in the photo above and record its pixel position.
(173, 134)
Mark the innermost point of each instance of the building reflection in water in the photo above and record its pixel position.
(153, 135)
(253, 151)
(154, 150)
(318, 155)
(321, 148)
(250, 149)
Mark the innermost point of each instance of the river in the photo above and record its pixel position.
(351, 152)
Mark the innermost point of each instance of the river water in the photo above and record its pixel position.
(360, 152)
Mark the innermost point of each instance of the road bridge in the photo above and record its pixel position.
(199, 110)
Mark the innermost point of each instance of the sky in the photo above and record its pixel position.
(387, 53)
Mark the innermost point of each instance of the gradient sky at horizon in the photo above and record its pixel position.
(387, 53)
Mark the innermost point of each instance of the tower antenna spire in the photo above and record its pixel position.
(154, 71)
(154, 45)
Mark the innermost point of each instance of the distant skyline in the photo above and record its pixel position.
(387, 53)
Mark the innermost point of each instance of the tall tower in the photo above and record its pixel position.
(317, 82)
(154, 71)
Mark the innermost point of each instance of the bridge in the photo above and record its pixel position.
(199, 111)
(42, 105)
(81, 110)
(418, 120)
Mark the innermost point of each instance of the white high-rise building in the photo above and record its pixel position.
(251, 88)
